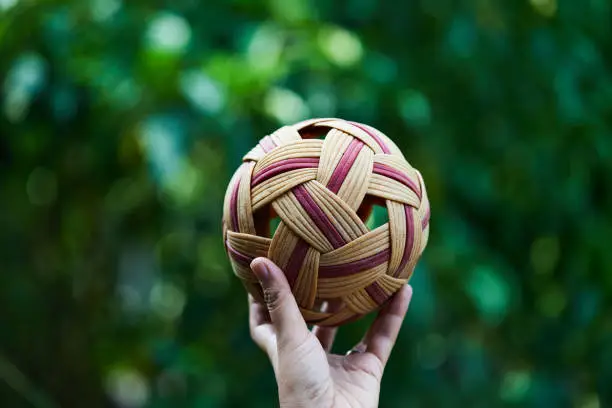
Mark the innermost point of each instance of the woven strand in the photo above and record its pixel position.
(245, 209)
(282, 245)
(300, 149)
(322, 189)
(305, 288)
(363, 247)
(269, 190)
(355, 186)
(330, 288)
(333, 149)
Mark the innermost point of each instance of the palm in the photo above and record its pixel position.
(355, 379)
(330, 379)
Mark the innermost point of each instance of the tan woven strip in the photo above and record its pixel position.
(360, 302)
(334, 146)
(254, 154)
(355, 186)
(397, 222)
(340, 287)
(397, 163)
(384, 187)
(286, 135)
(250, 245)
(302, 148)
(282, 245)
(424, 239)
(305, 288)
(291, 212)
(355, 131)
(424, 207)
(425, 236)
(415, 253)
(245, 209)
(390, 284)
(270, 189)
(340, 214)
(243, 272)
(365, 246)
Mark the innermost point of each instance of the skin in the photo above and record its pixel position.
(307, 374)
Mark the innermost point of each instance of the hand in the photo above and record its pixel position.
(307, 374)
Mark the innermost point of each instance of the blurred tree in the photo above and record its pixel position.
(121, 123)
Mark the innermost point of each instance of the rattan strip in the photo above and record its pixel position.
(367, 245)
(384, 187)
(333, 149)
(301, 148)
(268, 191)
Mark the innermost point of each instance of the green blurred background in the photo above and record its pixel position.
(122, 121)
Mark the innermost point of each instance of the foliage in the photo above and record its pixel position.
(122, 122)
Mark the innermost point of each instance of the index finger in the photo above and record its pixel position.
(259, 325)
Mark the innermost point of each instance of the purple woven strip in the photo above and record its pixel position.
(351, 268)
(319, 217)
(296, 260)
(240, 258)
(344, 166)
(377, 293)
(282, 166)
(396, 175)
(409, 239)
(267, 144)
(234, 206)
(380, 142)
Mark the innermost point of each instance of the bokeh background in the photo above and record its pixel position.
(122, 121)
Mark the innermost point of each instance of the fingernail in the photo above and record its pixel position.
(260, 269)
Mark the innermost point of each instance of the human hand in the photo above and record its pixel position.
(307, 374)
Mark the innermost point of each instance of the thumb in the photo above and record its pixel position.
(284, 312)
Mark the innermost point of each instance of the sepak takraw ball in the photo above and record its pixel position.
(320, 179)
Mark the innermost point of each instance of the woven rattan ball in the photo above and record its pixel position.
(321, 179)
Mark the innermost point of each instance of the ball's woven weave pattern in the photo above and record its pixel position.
(323, 190)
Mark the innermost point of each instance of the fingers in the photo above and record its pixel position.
(259, 325)
(262, 331)
(326, 335)
(283, 310)
(383, 333)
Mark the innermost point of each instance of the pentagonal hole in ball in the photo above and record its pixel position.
(314, 132)
(328, 305)
(373, 212)
(273, 225)
(266, 221)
